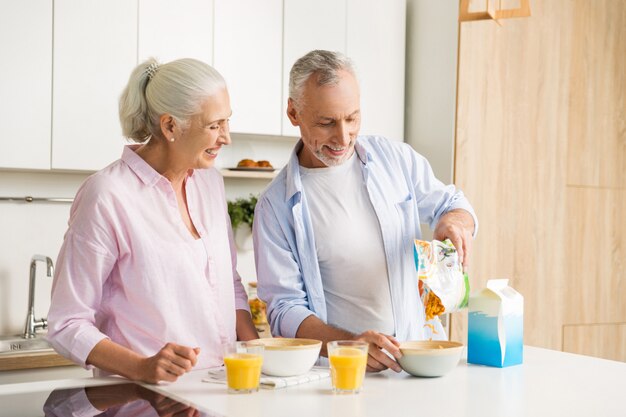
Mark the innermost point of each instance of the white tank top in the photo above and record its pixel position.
(349, 248)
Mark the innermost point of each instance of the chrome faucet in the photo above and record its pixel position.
(33, 324)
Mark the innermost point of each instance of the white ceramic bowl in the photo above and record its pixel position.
(430, 358)
(288, 357)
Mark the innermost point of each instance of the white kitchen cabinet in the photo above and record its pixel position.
(173, 29)
(25, 83)
(309, 25)
(95, 49)
(69, 60)
(376, 43)
(248, 53)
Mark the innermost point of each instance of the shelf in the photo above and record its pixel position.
(226, 173)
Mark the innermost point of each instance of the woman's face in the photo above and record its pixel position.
(200, 142)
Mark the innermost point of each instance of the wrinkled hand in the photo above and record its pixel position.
(169, 363)
(458, 226)
(377, 359)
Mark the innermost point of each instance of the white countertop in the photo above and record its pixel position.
(547, 383)
(43, 374)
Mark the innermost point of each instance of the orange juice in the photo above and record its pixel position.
(243, 371)
(347, 367)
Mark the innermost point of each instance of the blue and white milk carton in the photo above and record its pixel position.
(496, 325)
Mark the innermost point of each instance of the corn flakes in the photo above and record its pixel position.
(445, 286)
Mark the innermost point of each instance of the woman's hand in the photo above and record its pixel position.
(169, 363)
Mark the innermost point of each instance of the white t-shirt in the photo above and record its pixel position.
(349, 248)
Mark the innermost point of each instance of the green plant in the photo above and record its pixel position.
(241, 210)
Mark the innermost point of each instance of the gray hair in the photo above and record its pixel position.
(324, 64)
(178, 88)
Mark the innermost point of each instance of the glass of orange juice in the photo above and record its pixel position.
(243, 362)
(348, 360)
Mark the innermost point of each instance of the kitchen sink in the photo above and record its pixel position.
(15, 344)
(30, 341)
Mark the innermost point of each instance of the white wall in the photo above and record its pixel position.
(27, 229)
(431, 59)
(38, 228)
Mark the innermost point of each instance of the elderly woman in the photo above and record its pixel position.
(146, 284)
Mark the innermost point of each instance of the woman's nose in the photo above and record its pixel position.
(225, 138)
(225, 134)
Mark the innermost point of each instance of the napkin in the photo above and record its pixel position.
(218, 376)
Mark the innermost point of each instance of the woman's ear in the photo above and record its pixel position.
(168, 125)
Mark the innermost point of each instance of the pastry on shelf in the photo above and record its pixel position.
(247, 163)
(264, 164)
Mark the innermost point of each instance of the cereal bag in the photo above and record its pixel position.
(446, 287)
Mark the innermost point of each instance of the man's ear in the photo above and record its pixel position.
(168, 124)
(292, 112)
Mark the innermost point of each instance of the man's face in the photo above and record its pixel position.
(329, 118)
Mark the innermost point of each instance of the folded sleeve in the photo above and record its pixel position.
(434, 198)
(280, 282)
(77, 290)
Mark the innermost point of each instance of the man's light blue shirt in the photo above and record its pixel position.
(404, 193)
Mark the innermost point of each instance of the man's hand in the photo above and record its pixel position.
(458, 226)
(169, 363)
(377, 360)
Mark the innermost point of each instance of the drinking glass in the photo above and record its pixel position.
(348, 360)
(243, 362)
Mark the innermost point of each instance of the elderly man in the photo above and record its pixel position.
(333, 233)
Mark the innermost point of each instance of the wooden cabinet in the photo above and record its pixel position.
(169, 30)
(248, 53)
(95, 47)
(540, 153)
(25, 84)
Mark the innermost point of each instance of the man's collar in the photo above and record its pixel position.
(293, 181)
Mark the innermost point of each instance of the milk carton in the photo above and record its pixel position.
(496, 325)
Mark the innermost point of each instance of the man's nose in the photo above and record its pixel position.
(343, 133)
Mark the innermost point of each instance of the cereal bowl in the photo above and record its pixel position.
(430, 358)
(287, 356)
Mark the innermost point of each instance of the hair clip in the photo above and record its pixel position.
(152, 69)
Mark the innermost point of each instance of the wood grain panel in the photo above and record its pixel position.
(605, 340)
(540, 152)
(32, 360)
(596, 261)
(597, 138)
(511, 135)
